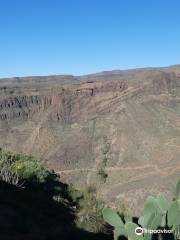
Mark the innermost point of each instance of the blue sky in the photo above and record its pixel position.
(42, 37)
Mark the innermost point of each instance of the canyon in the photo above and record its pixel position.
(123, 123)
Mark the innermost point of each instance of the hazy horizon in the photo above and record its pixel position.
(105, 70)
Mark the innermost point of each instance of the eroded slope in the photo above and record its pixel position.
(130, 118)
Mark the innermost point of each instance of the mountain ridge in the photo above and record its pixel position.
(95, 73)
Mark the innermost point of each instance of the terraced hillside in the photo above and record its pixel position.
(118, 130)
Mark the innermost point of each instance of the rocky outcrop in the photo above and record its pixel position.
(66, 99)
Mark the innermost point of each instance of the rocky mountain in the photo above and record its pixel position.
(118, 130)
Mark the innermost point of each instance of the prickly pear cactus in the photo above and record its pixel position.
(173, 215)
(177, 190)
(158, 212)
(111, 217)
(130, 229)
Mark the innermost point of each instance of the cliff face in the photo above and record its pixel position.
(125, 123)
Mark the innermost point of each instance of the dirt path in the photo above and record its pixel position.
(109, 169)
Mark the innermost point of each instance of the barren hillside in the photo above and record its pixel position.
(125, 124)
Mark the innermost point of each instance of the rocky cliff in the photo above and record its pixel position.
(124, 124)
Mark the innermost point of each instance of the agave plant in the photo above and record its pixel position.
(158, 212)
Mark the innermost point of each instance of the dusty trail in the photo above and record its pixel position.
(108, 169)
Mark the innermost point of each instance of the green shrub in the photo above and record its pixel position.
(29, 168)
(19, 168)
(43, 187)
(89, 212)
(74, 194)
(25, 166)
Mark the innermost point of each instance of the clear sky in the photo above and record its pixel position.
(42, 37)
